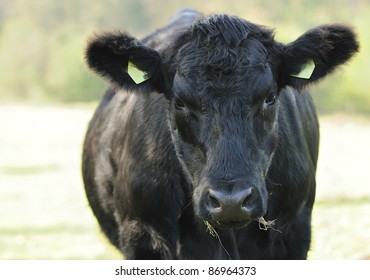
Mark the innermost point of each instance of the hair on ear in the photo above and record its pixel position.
(110, 54)
(328, 46)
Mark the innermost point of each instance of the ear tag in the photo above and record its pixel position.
(306, 71)
(136, 74)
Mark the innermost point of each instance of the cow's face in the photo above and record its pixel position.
(223, 117)
(222, 78)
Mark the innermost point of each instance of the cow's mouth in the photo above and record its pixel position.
(230, 224)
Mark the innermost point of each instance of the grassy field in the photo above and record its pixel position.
(44, 213)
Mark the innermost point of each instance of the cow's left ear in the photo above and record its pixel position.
(125, 61)
(317, 53)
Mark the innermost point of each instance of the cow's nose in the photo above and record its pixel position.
(230, 207)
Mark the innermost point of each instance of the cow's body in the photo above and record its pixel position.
(142, 190)
(128, 149)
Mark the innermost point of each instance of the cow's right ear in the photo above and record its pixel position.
(113, 55)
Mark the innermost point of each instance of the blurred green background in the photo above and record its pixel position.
(47, 96)
(42, 42)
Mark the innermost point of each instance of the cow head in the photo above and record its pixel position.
(222, 78)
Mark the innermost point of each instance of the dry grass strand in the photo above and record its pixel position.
(212, 231)
(265, 225)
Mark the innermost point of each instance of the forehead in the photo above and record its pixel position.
(224, 53)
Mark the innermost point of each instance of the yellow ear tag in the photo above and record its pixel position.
(306, 71)
(136, 74)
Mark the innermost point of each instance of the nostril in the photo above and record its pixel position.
(214, 201)
(247, 198)
(245, 202)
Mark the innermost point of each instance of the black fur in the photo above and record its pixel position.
(220, 135)
(110, 53)
(327, 45)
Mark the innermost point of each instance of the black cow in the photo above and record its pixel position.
(213, 156)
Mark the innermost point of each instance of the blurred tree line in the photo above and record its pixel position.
(42, 42)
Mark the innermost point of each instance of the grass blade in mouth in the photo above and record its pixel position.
(265, 225)
(211, 229)
(214, 233)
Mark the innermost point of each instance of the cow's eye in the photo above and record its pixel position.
(270, 100)
(179, 104)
